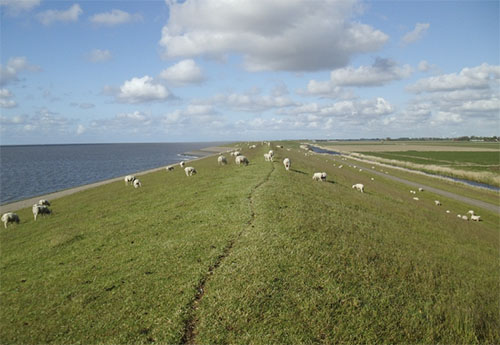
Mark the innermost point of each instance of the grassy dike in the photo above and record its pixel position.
(250, 255)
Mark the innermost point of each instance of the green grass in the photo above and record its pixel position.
(297, 261)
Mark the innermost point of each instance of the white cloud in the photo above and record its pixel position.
(478, 77)
(14, 7)
(80, 129)
(270, 34)
(5, 99)
(115, 17)
(417, 33)
(184, 72)
(252, 102)
(14, 66)
(324, 89)
(70, 15)
(141, 90)
(99, 55)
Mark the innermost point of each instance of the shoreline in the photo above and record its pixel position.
(199, 154)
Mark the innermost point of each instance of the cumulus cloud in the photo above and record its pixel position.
(142, 90)
(51, 16)
(252, 101)
(115, 17)
(324, 89)
(99, 55)
(6, 100)
(478, 77)
(183, 73)
(14, 7)
(417, 33)
(14, 66)
(291, 35)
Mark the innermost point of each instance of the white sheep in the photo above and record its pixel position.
(470, 212)
(40, 209)
(44, 202)
(475, 218)
(271, 153)
(9, 217)
(190, 171)
(448, 211)
(465, 217)
(129, 179)
(459, 216)
(437, 202)
(319, 176)
(235, 153)
(372, 179)
(182, 163)
(252, 146)
(341, 166)
(242, 160)
(359, 186)
(420, 189)
(170, 168)
(413, 192)
(268, 157)
(416, 198)
(221, 160)
(287, 163)
(137, 183)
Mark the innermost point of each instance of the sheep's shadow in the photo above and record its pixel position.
(298, 171)
(332, 182)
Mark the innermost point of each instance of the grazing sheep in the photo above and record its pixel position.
(44, 202)
(470, 212)
(360, 170)
(465, 217)
(448, 211)
(319, 176)
(341, 166)
(271, 153)
(287, 163)
(279, 146)
(413, 192)
(190, 171)
(170, 168)
(221, 160)
(242, 160)
(9, 217)
(459, 216)
(182, 163)
(420, 189)
(416, 198)
(252, 146)
(137, 183)
(359, 186)
(40, 209)
(268, 157)
(372, 179)
(437, 202)
(129, 179)
(235, 153)
(475, 218)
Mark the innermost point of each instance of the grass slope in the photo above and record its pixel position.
(293, 261)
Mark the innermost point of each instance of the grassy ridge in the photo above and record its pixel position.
(309, 262)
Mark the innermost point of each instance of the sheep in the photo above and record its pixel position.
(470, 212)
(416, 198)
(279, 146)
(137, 183)
(359, 186)
(9, 217)
(190, 171)
(475, 218)
(268, 157)
(372, 179)
(459, 216)
(182, 163)
(413, 192)
(341, 166)
(40, 209)
(44, 202)
(437, 202)
(221, 160)
(235, 153)
(242, 160)
(360, 170)
(170, 168)
(271, 153)
(464, 217)
(287, 163)
(448, 211)
(252, 146)
(319, 176)
(129, 179)
(420, 189)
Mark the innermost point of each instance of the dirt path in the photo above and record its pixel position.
(206, 152)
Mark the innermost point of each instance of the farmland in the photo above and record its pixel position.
(252, 254)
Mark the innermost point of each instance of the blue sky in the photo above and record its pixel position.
(208, 70)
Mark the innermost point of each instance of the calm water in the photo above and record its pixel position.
(27, 171)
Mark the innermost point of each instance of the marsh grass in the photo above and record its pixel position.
(309, 262)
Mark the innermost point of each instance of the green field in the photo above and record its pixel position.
(473, 161)
(251, 254)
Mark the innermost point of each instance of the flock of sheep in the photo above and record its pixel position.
(42, 206)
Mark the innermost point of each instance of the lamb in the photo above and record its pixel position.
(242, 160)
(190, 171)
(475, 218)
(9, 217)
(170, 168)
(437, 202)
(44, 202)
(182, 163)
(319, 176)
(129, 179)
(221, 160)
(40, 209)
(137, 183)
(268, 157)
(287, 163)
(359, 186)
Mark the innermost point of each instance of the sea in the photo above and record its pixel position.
(31, 170)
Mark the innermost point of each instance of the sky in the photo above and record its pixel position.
(248, 70)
